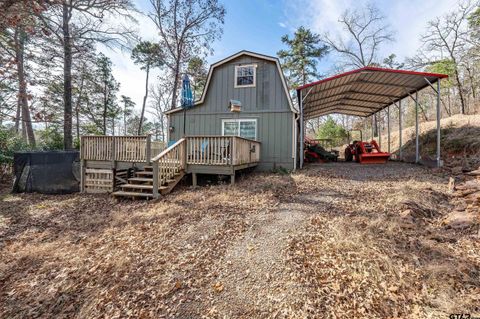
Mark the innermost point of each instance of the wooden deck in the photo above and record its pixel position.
(140, 168)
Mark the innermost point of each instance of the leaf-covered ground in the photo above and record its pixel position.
(333, 241)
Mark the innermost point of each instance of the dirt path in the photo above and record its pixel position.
(332, 241)
(253, 273)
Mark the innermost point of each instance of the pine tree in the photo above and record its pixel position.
(148, 55)
(197, 71)
(301, 58)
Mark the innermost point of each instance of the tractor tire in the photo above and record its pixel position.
(348, 155)
(358, 152)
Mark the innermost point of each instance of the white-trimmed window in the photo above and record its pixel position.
(246, 128)
(245, 75)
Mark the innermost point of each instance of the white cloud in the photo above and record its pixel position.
(408, 18)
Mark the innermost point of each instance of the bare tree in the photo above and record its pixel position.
(160, 101)
(366, 31)
(187, 28)
(449, 35)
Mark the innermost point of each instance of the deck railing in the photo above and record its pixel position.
(156, 148)
(245, 151)
(221, 150)
(200, 150)
(136, 149)
(168, 163)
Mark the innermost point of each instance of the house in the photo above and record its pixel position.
(244, 119)
(245, 95)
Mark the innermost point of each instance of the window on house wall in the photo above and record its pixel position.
(246, 128)
(245, 75)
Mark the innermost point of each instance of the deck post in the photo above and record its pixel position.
(302, 133)
(155, 179)
(82, 166)
(439, 163)
(194, 179)
(400, 130)
(232, 178)
(388, 127)
(114, 164)
(148, 151)
(184, 154)
(417, 147)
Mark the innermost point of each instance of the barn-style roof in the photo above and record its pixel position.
(362, 92)
(232, 57)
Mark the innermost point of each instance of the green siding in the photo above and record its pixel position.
(266, 102)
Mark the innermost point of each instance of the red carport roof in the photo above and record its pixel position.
(362, 92)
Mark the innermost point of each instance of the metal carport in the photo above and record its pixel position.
(364, 92)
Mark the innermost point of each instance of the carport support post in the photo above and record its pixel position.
(439, 163)
(302, 138)
(388, 127)
(379, 130)
(373, 127)
(400, 130)
(417, 153)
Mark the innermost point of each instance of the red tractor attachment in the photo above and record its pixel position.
(365, 152)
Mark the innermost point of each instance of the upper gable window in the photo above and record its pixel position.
(245, 75)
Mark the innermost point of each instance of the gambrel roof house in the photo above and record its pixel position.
(245, 95)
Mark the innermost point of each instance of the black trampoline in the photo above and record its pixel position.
(50, 172)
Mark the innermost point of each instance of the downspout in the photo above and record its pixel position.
(295, 140)
(300, 107)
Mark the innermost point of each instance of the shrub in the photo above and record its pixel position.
(330, 129)
(9, 144)
(51, 139)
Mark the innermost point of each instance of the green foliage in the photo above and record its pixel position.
(51, 138)
(106, 88)
(128, 106)
(330, 129)
(301, 58)
(91, 129)
(280, 170)
(392, 63)
(474, 23)
(197, 70)
(445, 66)
(148, 55)
(134, 121)
(9, 144)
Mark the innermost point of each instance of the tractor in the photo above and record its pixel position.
(365, 152)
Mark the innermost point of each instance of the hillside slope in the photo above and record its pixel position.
(460, 141)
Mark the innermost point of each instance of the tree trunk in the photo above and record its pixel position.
(17, 116)
(125, 119)
(67, 79)
(77, 106)
(460, 89)
(176, 74)
(27, 129)
(77, 118)
(140, 126)
(105, 102)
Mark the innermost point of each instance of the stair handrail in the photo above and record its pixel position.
(166, 161)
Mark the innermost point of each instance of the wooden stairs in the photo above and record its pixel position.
(141, 186)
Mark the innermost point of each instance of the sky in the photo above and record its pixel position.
(258, 25)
